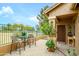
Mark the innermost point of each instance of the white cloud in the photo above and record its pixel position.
(6, 10)
(33, 18)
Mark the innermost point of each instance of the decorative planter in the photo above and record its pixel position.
(70, 34)
(50, 49)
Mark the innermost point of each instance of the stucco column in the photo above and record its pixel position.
(52, 21)
(77, 35)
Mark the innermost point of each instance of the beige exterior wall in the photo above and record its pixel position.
(61, 10)
(7, 48)
(77, 35)
(52, 21)
(65, 9)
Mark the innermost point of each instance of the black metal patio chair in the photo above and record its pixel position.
(16, 43)
(31, 40)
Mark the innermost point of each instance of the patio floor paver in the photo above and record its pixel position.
(39, 50)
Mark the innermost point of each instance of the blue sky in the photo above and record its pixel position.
(21, 13)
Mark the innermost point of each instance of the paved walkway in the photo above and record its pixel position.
(39, 50)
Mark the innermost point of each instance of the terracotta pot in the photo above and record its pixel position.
(50, 49)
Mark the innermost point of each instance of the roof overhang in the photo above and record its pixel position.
(51, 8)
(54, 17)
(55, 6)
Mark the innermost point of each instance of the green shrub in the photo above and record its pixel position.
(50, 44)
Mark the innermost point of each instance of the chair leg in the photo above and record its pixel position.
(24, 44)
(11, 49)
(29, 44)
(16, 46)
(35, 42)
(19, 48)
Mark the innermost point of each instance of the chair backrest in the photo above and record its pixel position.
(30, 36)
(14, 39)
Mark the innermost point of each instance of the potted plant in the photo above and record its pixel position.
(70, 31)
(51, 46)
(24, 34)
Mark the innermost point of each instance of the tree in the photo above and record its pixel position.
(15, 27)
(45, 27)
(42, 17)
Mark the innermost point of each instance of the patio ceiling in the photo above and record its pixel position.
(67, 17)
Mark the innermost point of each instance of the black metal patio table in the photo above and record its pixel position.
(18, 41)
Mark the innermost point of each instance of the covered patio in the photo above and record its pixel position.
(65, 27)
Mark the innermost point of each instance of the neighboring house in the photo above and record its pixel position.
(66, 20)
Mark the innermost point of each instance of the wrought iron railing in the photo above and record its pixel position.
(6, 32)
(5, 35)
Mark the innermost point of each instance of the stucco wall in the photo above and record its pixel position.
(52, 21)
(61, 10)
(77, 35)
(7, 48)
(64, 9)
